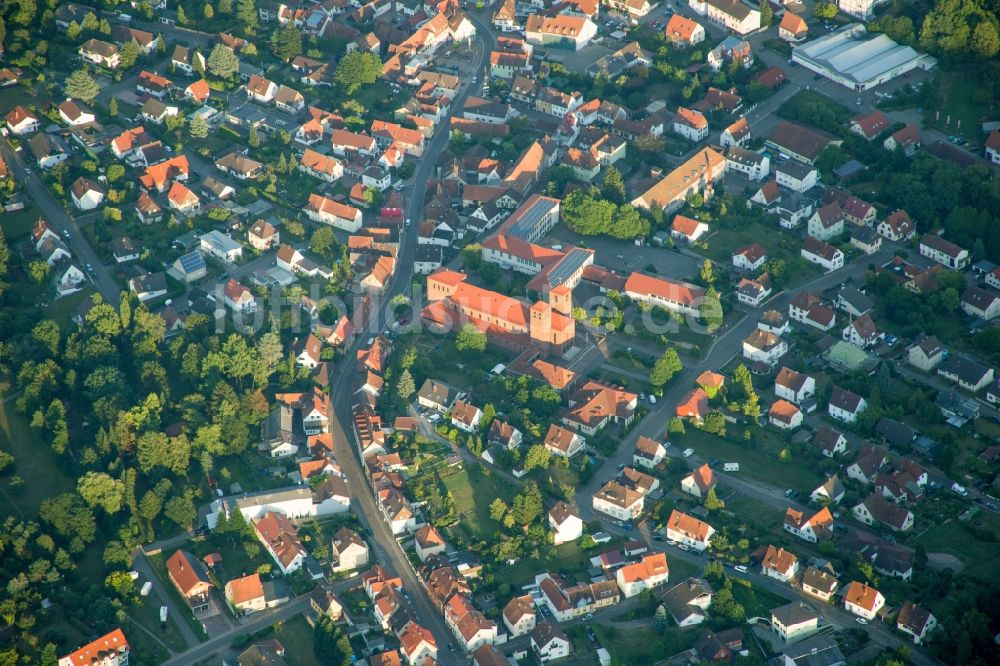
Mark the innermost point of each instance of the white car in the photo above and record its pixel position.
(741, 568)
(687, 453)
(434, 418)
(861, 620)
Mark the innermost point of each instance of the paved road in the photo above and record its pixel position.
(62, 221)
(387, 550)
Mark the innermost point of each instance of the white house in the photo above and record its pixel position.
(794, 386)
(915, 621)
(86, 194)
(750, 258)
(846, 406)
(690, 124)
(944, 252)
(822, 254)
(549, 642)
(688, 530)
(617, 501)
(779, 564)
(565, 523)
(793, 621)
(764, 346)
(519, 615)
(342, 216)
(221, 246)
(862, 600)
(648, 573)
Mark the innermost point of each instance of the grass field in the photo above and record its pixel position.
(34, 462)
(17, 225)
(754, 462)
(756, 601)
(956, 93)
(978, 555)
(147, 613)
(779, 245)
(297, 637)
(159, 564)
(569, 559)
(639, 646)
(473, 493)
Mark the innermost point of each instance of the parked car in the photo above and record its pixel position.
(861, 620)
(687, 453)
(741, 568)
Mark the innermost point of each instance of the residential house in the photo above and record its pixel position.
(565, 523)
(764, 347)
(595, 405)
(100, 53)
(862, 600)
(865, 239)
(246, 595)
(944, 252)
(690, 124)
(263, 235)
(688, 530)
(436, 395)
(779, 564)
(86, 194)
(866, 466)
(21, 121)
(877, 509)
(48, 150)
(729, 14)
(784, 415)
(187, 60)
(75, 115)
(238, 298)
(796, 176)
(823, 254)
(219, 245)
(648, 453)
(966, 372)
(260, 89)
(699, 482)
(676, 296)
(618, 501)
(897, 227)
(682, 31)
(812, 529)
(321, 166)
(792, 27)
(566, 602)
(549, 642)
(189, 577)
(737, 134)
(869, 125)
(466, 416)
(560, 31)
(793, 386)
(750, 257)
(197, 92)
(846, 406)
(795, 620)
(862, 332)
(239, 166)
(830, 491)
(342, 216)
(687, 229)
(563, 442)
(977, 302)
(755, 166)
(111, 649)
(348, 551)
(830, 442)
(827, 222)
(183, 200)
(907, 139)
(819, 582)
(688, 602)
(519, 615)
(646, 574)
(281, 541)
(289, 100)
(915, 621)
(428, 542)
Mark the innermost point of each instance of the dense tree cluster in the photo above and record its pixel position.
(587, 212)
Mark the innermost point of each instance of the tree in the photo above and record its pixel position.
(985, 40)
(198, 128)
(665, 368)
(614, 185)
(100, 489)
(676, 426)
(181, 510)
(222, 62)
(81, 85)
(254, 137)
(707, 274)
(181, 16)
(537, 457)
(825, 10)
(766, 14)
(715, 423)
(406, 386)
(130, 53)
(527, 505)
(498, 509)
(286, 42)
(710, 309)
(357, 69)
(330, 644)
(225, 6)
(712, 501)
(208, 12)
(471, 339)
(322, 242)
(246, 14)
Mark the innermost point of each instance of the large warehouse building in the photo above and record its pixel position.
(858, 60)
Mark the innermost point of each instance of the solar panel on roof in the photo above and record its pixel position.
(568, 266)
(531, 219)
(192, 261)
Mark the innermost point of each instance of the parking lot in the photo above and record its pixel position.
(625, 259)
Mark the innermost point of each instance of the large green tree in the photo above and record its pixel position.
(81, 85)
(103, 490)
(222, 62)
(358, 69)
(286, 42)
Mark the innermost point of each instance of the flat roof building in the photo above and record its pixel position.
(858, 60)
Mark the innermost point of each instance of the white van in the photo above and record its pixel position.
(731, 467)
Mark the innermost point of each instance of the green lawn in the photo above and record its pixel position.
(62, 310)
(19, 95)
(978, 555)
(159, 564)
(473, 497)
(147, 613)
(755, 463)
(641, 646)
(568, 558)
(763, 517)
(957, 91)
(297, 637)
(756, 601)
(34, 462)
(235, 561)
(779, 245)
